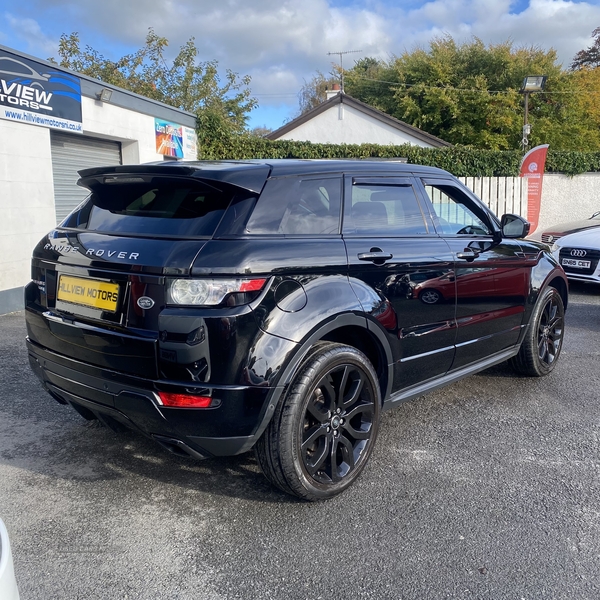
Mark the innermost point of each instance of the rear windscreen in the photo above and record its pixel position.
(154, 206)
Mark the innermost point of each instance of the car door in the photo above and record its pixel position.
(491, 273)
(403, 274)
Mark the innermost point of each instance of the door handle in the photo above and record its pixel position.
(468, 254)
(375, 256)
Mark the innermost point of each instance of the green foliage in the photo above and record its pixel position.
(187, 84)
(573, 163)
(469, 94)
(215, 144)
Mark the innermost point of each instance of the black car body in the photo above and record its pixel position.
(218, 306)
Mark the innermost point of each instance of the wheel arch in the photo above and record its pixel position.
(546, 273)
(350, 329)
(562, 288)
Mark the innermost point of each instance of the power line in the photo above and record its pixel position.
(470, 90)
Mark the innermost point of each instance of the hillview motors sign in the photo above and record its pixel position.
(38, 94)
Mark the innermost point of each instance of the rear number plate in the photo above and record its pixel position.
(89, 292)
(577, 264)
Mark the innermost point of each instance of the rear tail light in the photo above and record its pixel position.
(210, 292)
(185, 400)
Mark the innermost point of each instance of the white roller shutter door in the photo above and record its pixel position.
(71, 153)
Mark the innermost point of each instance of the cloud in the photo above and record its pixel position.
(30, 32)
(282, 43)
(563, 25)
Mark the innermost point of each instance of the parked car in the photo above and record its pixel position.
(550, 235)
(222, 306)
(579, 255)
(8, 583)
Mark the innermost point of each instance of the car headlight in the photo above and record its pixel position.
(209, 292)
(555, 247)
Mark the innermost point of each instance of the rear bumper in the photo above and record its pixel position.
(121, 400)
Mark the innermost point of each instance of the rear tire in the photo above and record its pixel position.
(542, 344)
(324, 430)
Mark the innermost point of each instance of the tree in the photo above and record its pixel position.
(260, 131)
(590, 57)
(469, 94)
(371, 81)
(186, 83)
(314, 91)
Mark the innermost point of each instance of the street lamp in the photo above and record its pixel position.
(531, 84)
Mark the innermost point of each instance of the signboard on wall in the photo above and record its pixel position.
(38, 94)
(175, 140)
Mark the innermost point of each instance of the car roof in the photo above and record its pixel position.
(252, 174)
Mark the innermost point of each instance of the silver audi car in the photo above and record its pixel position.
(579, 254)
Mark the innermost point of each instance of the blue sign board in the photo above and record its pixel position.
(38, 94)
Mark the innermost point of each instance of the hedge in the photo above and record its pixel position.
(459, 160)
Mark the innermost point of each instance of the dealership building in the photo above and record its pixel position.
(54, 122)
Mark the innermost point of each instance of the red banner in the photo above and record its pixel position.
(532, 167)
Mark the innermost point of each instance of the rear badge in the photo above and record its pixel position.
(145, 302)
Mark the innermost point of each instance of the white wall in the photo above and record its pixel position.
(26, 183)
(26, 198)
(343, 124)
(134, 130)
(568, 198)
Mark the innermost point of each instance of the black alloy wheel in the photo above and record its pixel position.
(550, 331)
(324, 431)
(542, 344)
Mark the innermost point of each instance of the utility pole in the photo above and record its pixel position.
(341, 55)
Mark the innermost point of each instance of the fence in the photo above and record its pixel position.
(501, 194)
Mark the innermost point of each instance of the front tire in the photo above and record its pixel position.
(542, 344)
(324, 429)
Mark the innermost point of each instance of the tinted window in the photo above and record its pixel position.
(159, 206)
(294, 206)
(384, 210)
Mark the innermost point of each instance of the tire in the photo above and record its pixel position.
(542, 344)
(324, 429)
(430, 297)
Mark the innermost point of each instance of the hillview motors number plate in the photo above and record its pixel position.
(88, 292)
(577, 264)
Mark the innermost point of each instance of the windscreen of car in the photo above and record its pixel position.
(152, 206)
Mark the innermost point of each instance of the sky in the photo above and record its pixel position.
(281, 44)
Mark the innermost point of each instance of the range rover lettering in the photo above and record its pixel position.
(281, 306)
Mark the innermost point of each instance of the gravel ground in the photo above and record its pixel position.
(487, 489)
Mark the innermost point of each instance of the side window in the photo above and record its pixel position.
(453, 208)
(295, 206)
(384, 210)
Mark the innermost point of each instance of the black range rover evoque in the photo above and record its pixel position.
(282, 305)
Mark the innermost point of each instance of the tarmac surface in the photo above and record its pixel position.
(487, 489)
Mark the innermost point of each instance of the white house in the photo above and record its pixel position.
(54, 122)
(343, 120)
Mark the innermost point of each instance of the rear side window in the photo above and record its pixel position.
(387, 210)
(153, 205)
(295, 206)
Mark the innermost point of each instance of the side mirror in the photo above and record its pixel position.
(514, 226)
